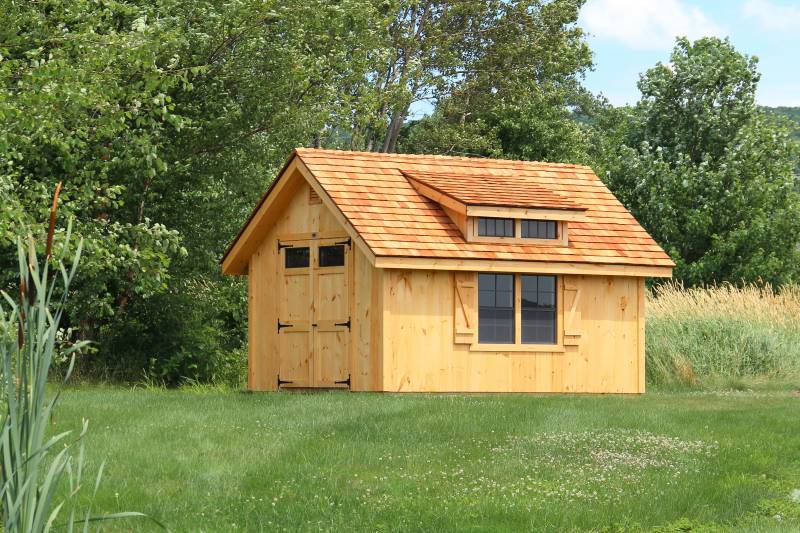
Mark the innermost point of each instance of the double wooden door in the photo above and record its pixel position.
(314, 313)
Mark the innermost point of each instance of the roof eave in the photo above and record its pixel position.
(257, 207)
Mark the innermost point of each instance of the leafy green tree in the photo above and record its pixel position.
(706, 172)
(164, 120)
(480, 62)
(516, 88)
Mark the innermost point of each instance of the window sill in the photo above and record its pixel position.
(517, 240)
(529, 348)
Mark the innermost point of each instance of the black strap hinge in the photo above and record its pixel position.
(281, 381)
(344, 323)
(280, 326)
(281, 246)
(344, 381)
(348, 242)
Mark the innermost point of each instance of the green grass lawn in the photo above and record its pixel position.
(223, 461)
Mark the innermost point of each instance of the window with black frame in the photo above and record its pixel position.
(496, 308)
(495, 227)
(331, 256)
(296, 257)
(538, 320)
(539, 229)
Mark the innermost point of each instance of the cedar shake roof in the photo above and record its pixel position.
(396, 221)
(488, 190)
(374, 194)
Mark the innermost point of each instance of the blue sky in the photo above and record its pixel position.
(629, 36)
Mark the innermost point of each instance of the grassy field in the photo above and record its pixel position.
(230, 461)
(722, 336)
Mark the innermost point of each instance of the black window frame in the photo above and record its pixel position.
(533, 314)
(538, 309)
(495, 227)
(490, 328)
(289, 253)
(538, 229)
(322, 255)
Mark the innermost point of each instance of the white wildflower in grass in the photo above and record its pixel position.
(524, 472)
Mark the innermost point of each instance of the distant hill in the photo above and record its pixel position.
(792, 113)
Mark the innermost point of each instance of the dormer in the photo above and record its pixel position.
(500, 209)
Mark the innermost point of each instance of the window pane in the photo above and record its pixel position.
(504, 299)
(505, 282)
(496, 308)
(296, 257)
(529, 283)
(539, 229)
(331, 256)
(547, 299)
(495, 227)
(537, 327)
(486, 298)
(483, 226)
(538, 313)
(546, 283)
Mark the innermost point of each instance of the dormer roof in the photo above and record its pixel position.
(499, 191)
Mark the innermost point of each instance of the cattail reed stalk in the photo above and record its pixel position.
(40, 473)
(52, 229)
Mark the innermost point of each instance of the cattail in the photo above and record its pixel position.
(20, 328)
(29, 289)
(52, 229)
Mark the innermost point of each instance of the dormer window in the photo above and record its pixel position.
(500, 209)
(539, 229)
(495, 227)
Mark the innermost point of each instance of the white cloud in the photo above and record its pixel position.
(646, 24)
(772, 16)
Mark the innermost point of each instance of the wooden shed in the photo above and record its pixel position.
(393, 272)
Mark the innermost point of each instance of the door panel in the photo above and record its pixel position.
(331, 314)
(295, 300)
(295, 356)
(330, 357)
(314, 313)
(331, 296)
(295, 335)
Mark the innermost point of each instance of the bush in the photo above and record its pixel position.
(722, 333)
(200, 338)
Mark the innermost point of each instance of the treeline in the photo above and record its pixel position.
(166, 119)
(792, 114)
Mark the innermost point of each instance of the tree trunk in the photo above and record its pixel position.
(390, 142)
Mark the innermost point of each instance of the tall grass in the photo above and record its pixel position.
(722, 334)
(40, 474)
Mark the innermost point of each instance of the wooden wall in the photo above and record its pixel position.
(301, 215)
(402, 336)
(419, 353)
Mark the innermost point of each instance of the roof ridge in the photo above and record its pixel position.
(385, 155)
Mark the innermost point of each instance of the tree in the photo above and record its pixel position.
(481, 62)
(164, 119)
(706, 172)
